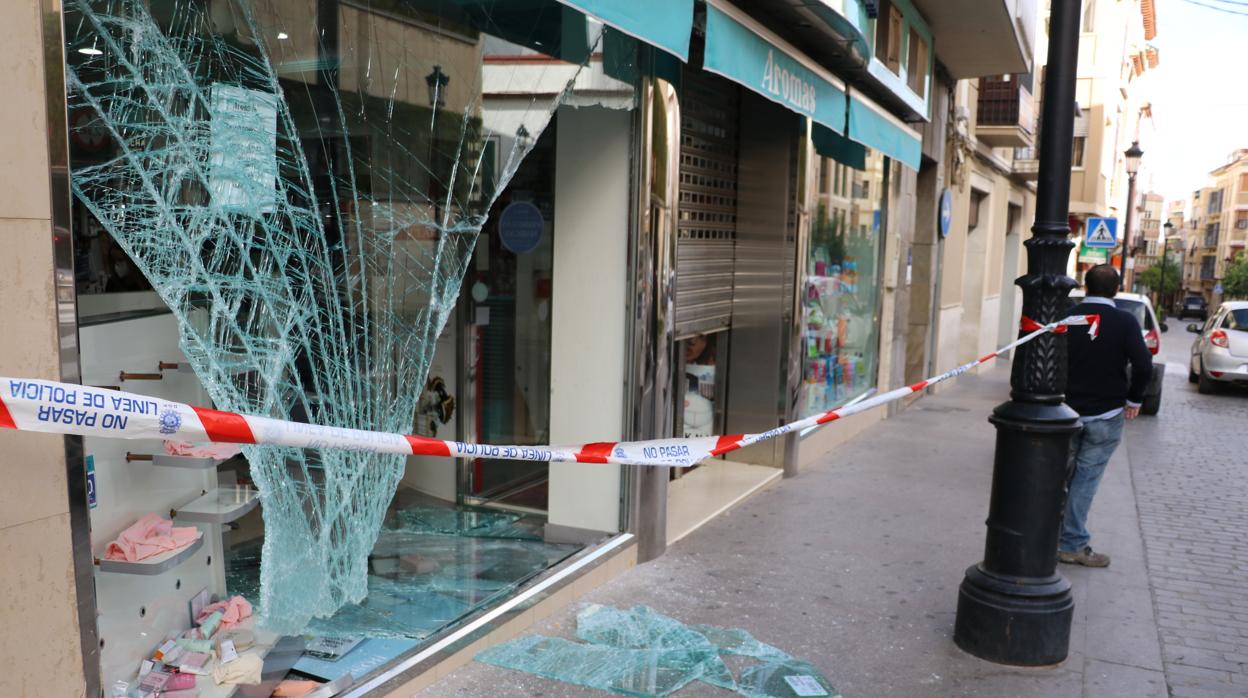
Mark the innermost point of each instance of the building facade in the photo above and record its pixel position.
(1113, 112)
(1217, 227)
(559, 223)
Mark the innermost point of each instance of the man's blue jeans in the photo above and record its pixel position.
(1090, 451)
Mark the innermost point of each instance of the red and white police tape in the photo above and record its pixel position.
(66, 408)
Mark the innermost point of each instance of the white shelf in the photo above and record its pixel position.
(219, 506)
(157, 564)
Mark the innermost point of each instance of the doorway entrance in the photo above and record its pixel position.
(505, 338)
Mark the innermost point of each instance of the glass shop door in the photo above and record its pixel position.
(505, 325)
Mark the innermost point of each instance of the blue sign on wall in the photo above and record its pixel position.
(520, 227)
(946, 212)
(1101, 232)
(91, 499)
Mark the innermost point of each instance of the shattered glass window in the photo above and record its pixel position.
(302, 182)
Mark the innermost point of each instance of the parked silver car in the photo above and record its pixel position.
(1220, 353)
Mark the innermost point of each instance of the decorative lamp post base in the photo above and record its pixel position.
(1024, 622)
(1015, 607)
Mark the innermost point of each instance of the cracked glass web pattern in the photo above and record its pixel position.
(303, 183)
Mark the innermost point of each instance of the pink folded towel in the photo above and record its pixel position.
(185, 448)
(233, 611)
(150, 536)
(292, 688)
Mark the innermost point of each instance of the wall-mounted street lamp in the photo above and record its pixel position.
(1133, 156)
(437, 81)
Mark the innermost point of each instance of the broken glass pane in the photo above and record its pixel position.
(462, 522)
(419, 583)
(784, 680)
(643, 628)
(642, 652)
(740, 642)
(633, 672)
(303, 184)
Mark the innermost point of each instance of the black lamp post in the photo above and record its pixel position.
(1132, 155)
(1166, 230)
(1014, 607)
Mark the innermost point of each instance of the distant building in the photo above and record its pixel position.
(1217, 226)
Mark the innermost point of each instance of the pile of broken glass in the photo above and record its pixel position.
(641, 652)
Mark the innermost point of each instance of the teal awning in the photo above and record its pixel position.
(665, 24)
(872, 126)
(747, 53)
(831, 144)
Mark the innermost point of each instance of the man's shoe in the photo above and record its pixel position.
(1085, 557)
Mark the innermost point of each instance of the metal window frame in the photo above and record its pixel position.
(57, 113)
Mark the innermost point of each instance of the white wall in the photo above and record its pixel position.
(588, 313)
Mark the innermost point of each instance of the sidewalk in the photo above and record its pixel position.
(855, 564)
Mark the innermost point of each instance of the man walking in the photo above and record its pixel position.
(1097, 388)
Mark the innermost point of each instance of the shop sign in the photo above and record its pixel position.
(520, 227)
(1093, 254)
(946, 212)
(751, 58)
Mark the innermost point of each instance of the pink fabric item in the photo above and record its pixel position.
(186, 448)
(233, 611)
(291, 688)
(150, 536)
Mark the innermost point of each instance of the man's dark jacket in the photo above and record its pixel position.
(1097, 381)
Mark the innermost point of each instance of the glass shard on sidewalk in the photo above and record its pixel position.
(640, 652)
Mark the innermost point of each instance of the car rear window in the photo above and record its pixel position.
(1137, 309)
(1237, 320)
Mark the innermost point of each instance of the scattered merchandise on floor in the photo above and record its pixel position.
(643, 653)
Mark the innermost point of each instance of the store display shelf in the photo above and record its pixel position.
(219, 506)
(158, 564)
(169, 461)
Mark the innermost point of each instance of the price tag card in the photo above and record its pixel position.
(226, 652)
(805, 686)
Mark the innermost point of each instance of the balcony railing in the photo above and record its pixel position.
(1006, 116)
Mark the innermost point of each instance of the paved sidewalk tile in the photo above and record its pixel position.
(855, 566)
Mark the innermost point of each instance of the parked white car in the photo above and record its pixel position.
(1142, 308)
(1220, 353)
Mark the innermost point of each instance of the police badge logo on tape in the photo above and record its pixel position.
(170, 420)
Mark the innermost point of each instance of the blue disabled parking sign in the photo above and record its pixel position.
(1101, 232)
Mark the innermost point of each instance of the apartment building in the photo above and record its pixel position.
(1113, 109)
(1145, 243)
(1217, 223)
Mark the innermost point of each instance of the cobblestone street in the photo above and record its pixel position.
(1191, 483)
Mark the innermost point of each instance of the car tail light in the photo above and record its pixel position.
(1152, 340)
(1219, 339)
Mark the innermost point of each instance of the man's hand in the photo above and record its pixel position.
(1131, 411)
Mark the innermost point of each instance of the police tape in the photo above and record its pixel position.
(66, 408)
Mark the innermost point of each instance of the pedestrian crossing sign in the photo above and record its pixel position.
(1101, 232)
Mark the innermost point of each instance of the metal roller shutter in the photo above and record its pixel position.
(707, 228)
